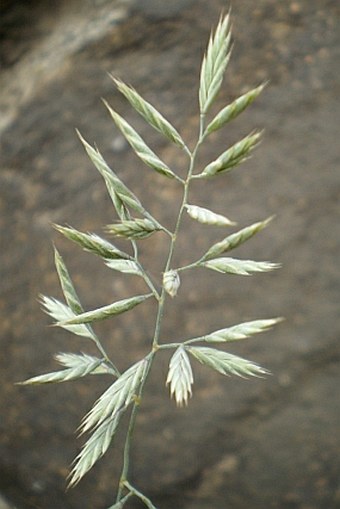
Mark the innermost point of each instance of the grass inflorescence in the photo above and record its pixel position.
(125, 393)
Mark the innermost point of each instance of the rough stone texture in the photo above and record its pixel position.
(4, 504)
(272, 443)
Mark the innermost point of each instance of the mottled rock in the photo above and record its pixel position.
(270, 443)
(4, 504)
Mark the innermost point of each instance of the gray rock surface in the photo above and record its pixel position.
(4, 504)
(270, 443)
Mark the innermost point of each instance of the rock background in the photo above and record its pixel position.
(269, 443)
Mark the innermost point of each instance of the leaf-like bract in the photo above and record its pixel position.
(232, 157)
(105, 312)
(240, 331)
(93, 449)
(235, 239)
(206, 216)
(180, 376)
(62, 313)
(116, 398)
(240, 267)
(120, 194)
(149, 113)
(226, 363)
(85, 365)
(139, 146)
(234, 109)
(93, 243)
(134, 228)
(214, 64)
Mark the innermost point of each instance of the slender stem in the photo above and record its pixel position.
(104, 354)
(153, 220)
(127, 446)
(174, 236)
(146, 277)
(123, 483)
(140, 495)
(193, 265)
(185, 194)
(122, 501)
(185, 148)
(135, 249)
(179, 179)
(167, 346)
(148, 281)
(176, 344)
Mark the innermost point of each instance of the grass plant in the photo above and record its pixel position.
(135, 223)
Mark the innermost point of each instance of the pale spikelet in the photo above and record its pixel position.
(139, 146)
(234, 109)
(214, 64)
(236, 332)
(92, 242)
(240, 267)
(206, 216)
(171, 282)
(124, 266)
(226, 363)
(232, 157)
(180, 377)
(235, 239)
(133, 228)
(82, 365)
(149, 113)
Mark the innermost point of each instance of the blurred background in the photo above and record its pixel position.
(270, 443)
